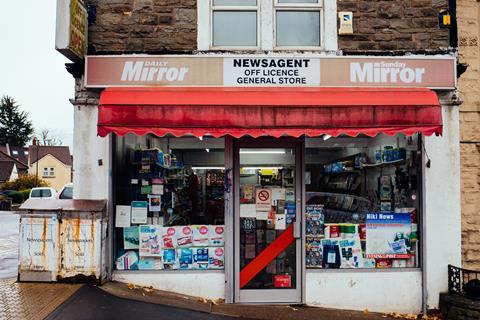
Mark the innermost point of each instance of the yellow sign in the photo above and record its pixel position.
(78, 28)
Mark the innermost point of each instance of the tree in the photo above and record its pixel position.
(47, 138)
(15, 128)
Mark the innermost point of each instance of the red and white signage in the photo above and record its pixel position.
(436, 72)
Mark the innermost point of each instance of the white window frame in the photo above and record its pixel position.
(235, 8)
(48, 172)
(266, 37)
(314, 7)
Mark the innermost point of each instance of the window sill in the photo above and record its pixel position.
(168, 271)
(363, 270)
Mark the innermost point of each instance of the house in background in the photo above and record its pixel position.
(13, 162)
(51, 163)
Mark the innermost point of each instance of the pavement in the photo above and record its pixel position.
(8, 244)
(32, 301)
(91, 302)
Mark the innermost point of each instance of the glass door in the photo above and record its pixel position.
(268, 221)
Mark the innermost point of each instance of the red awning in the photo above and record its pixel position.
(268, 111)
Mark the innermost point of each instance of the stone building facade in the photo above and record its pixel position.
(149, 26)
(394, 26)
(469, 87)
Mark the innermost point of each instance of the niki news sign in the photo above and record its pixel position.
(436, 72)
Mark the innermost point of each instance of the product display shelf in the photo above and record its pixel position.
(358, 171)
(157, 164)
(312, 194)
(383, 164)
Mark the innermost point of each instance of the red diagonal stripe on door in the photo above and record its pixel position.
(266, 256)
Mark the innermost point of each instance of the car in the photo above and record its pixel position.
(43, 193)
(66, 192)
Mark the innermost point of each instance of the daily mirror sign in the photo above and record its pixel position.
(436, 72)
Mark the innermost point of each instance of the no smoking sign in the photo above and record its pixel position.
(263, 199)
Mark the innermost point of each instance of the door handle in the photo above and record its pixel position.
(297, 230)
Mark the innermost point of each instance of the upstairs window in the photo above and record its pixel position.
(234, 23)
(298, 23)
(267, 25)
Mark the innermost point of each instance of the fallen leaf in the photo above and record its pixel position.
(131, 286)
(365, 311)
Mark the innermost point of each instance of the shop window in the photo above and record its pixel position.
(169, 196)
(362, 202)
(234, 23)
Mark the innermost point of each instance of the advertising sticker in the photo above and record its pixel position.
(388, 235)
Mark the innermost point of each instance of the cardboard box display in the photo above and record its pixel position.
(200, 236)
(216, 258)
(216, 236)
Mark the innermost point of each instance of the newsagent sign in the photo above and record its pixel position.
(436, 72)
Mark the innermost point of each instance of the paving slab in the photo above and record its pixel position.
(32, 301)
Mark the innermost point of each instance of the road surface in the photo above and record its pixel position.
(8, 244)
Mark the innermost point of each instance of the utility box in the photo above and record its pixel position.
(63, 240)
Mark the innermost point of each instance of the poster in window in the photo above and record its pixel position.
(122, 216)
(130, 238)
(139, 212)
(154, 202)
(263, 199)
(150, 241)
(388, 235)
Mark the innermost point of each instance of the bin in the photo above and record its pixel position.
(63, 240)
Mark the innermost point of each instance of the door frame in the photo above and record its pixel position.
(277, 296)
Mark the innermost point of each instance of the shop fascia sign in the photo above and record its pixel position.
(435, 72)
(71, 29)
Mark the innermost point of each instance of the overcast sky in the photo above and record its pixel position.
(31, 70)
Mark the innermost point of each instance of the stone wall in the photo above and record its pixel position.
(394, 25)
(143, 26)
(469, 87)
(457, 307)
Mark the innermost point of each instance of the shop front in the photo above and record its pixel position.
(325, 181)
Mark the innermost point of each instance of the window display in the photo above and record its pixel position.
(362, 202)
(169, 197)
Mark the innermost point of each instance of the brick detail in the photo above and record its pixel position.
(143, 26)
(394, 25)
(468, 12)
